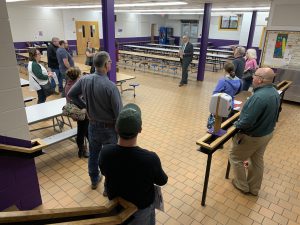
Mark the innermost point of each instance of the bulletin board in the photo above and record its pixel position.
(281, 48)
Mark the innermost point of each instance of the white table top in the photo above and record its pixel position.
(124, 77)
(223, 56)
(195, 48)
(154, 56)
(47, 110)
(24, 82)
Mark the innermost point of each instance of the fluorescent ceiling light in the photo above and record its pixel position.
(73, 7)
(117, 5)
(196, 11)
(158, 10)
(151, 4)
(174, 13)
(16, 0)
(241, 9)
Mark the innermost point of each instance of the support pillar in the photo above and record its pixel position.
(204, 41)
(108, 23)
(252, 29)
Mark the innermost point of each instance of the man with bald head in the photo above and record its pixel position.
(256, 124)
(186, 56)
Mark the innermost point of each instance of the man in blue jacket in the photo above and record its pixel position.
(256, 124)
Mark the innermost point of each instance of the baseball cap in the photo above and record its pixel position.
(129, 122)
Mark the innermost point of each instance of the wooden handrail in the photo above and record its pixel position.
(283, 85)
(37, 145)
(211, 142)
(79, 215)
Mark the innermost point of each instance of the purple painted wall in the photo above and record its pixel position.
(19, 183)
(220, 42)
(73, 43)
(15, 142)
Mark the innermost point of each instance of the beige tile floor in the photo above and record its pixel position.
(173, 119)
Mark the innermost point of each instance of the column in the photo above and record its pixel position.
(108, 23)
(18, 178)
(252, 29)
(204, 41)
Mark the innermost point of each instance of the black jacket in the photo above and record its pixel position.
(239, 65)
(188, 52)
(52, 59)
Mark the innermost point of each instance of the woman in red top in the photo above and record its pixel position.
(73, 75)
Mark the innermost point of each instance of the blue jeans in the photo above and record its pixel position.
(143, 216)
(60, 79)
(99, 135)
(41, 96)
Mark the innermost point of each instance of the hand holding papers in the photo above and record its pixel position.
(237, 105)
(180, 53)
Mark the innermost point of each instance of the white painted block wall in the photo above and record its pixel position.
(284, 15)
(26, 22)
(260, 23)
(13, 121)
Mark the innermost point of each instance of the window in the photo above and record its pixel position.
(229, 22)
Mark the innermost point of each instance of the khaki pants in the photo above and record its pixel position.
(252, 149)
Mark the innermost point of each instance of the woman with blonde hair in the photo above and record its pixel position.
(73, 74)
(250, 68)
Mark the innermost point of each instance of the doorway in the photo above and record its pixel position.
(153, 29)
(87, 31)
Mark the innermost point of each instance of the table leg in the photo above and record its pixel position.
(279, 110)
(207, 172)
(227, 170)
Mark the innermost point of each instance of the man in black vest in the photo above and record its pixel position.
(186, 56)
(53, 63)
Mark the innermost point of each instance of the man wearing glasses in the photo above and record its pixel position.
(256, 124)
(103, 103)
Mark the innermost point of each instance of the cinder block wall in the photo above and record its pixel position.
(13, 122)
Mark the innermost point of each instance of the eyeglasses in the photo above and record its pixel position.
(255, 75)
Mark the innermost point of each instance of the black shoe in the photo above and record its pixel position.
(86, 154)
(80, 153)
(181, 84)
(104, 193)
(95, 185)
(83, 152)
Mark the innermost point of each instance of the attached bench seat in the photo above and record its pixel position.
(29, 99)
(60, 136)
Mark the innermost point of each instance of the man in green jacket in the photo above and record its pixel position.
(256, 124)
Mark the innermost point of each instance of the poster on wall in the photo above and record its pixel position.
(280, 45)
(281, 48)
